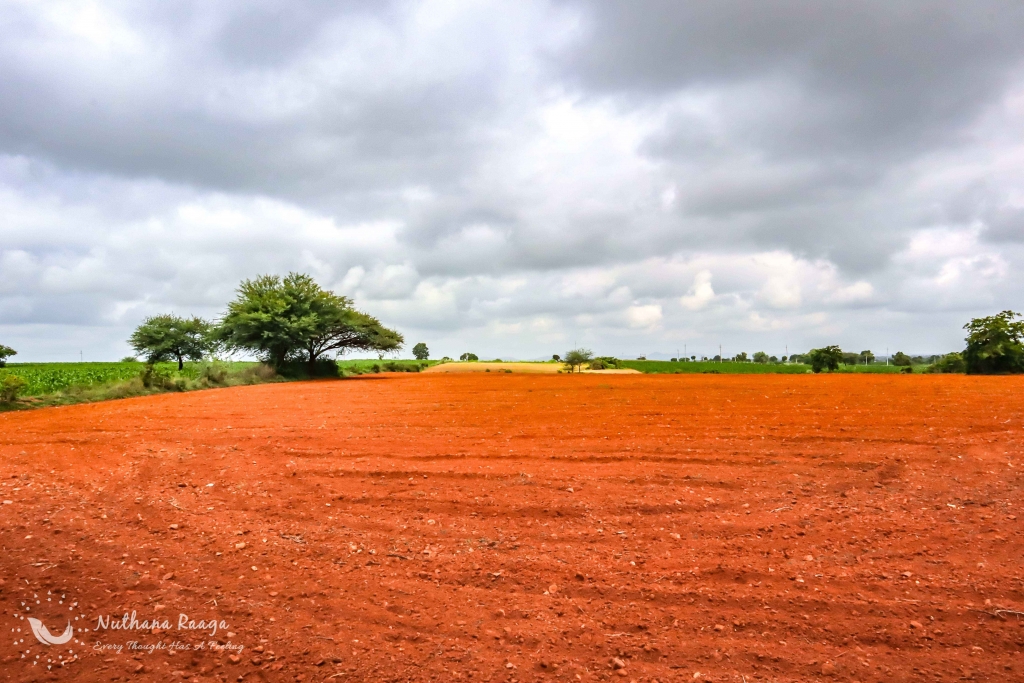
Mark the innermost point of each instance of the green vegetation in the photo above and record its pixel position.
(281, 320)
(711, 367)
(827, 358)
(420, 351)
(163, 337)
(995, 345)
(950, 363)
(5, 353)
(44, 384)
(577, 357)
(469, 357)
(363, 367)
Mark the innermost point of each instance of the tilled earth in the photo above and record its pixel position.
(503, 527)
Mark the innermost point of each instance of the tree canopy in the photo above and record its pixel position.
(293, 318)
(167, 337)
(5, 353)
(421, 352)
(995, 345)
(827, 358)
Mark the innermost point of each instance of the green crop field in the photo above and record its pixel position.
(51, 378)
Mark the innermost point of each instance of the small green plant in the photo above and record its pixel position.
(10, 387)
(827, 358)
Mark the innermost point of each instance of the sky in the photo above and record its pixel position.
(519, 178)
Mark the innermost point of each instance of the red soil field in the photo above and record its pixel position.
(503, 527)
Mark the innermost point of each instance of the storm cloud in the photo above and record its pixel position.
(515, 178)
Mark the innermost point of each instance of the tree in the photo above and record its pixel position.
(469, 356)
(5, 353)
(295, 319)
(577, 357)
(825, 358)
(741, 357)
(995, 345)
(901, 359)
(420, 351)
(555, 357)
(170, 337)
(850, 358)
(866, 357)
(760, 357)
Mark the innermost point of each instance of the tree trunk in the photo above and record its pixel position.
(181, 364)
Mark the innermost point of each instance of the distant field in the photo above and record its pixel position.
(734, 368)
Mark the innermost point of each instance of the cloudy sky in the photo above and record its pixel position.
(513, 178)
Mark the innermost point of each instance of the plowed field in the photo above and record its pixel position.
(506, 527)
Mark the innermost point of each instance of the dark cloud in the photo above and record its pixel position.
(523, 173)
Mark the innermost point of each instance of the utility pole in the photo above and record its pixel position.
(887, 355)
(720, 359)
(81, 356)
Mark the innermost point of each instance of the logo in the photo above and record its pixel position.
(42, 633)
(33, 614)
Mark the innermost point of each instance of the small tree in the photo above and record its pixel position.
(850, 358)
(420, 351)
(827, 358)
(555, 357)
(760, 357)
(901, 359)
(5, 353)
(866, 357)
(469, 356)
(577, 357)
(169, 337)
(995, 345)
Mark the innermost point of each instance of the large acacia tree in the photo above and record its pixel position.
(293, 318)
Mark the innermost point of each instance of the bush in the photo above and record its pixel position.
(760, 357)
(214, 373)
(129, 359)
(10, 387)
(950, 363)
(154, 377)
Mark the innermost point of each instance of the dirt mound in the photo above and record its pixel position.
(496, 527)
